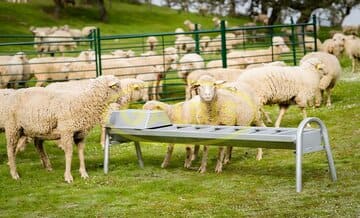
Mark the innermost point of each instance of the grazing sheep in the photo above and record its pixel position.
(262, 18)
(332, 71)
(223, 74)
(351, 45)
(204, 42)
(310, 43)
(247, 57)
(351, 29)
(286, 85)
(188, 63)
(14, 70)
(224, 107)
(179, 113)
(151, 42)
(85, 31)
(330, 47)
(58, 115)
(217, 23)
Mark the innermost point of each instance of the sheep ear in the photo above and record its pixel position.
(136, 86)
(113, 84)
(318, 67)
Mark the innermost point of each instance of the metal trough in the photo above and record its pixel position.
(154, 126)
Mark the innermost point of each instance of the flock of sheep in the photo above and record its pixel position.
(66, 111)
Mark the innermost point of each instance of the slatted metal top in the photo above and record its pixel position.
(242, 136)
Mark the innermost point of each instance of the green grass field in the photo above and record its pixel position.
(246, 188)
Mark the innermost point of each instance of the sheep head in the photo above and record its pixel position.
(207, 86)
(279, 43)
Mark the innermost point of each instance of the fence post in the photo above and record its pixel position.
(98, 53)
(223, 44)
(92, 37)
(197, 40)
(315, 32)
(293, 43)
(271, 43)
(303, 38)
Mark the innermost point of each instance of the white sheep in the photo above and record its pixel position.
(184, 44)
(349, 44)
(178, 32)
(191, 26)
(58, 115)
(151, 42)
(247, 57)
(188, 63)
(217, 23)
(332, 71)
(262, 18)
(14, 70)
(179, 113)
(204, 42)
(286, 85)
(58, 41)
(330, 47)
(85, 31)
(224, 107)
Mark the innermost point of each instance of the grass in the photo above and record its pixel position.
(246, 188)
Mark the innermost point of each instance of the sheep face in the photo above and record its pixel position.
(207, 86)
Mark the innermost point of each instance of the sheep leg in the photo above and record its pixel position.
(21, 144)
(195, 154)
(266, 114)
(12, 138)
(82, 169)
(328, 100)
(43, 156)
(188, 159)
(167, 158)
(283, 109)
(228, 154)
(220, 160)
(353, 63)
(102, 137)
(202, 168)
(66, 143)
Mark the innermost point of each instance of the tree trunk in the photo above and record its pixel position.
(102, 10)
(232, 8)
(275, 14)
(58, 6)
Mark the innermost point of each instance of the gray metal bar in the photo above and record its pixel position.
(138, 154)
(106, 151)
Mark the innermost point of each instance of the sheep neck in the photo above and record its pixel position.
(211, 110)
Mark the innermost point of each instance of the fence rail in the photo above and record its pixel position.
(64, 58)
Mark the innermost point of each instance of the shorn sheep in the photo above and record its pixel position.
(58, 115)
(286, 85)
(224, 107)
(332, 71)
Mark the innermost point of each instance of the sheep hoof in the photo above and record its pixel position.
(15, 175)
(164, 165)
(69, 178)
(84, 174)
(259, 156)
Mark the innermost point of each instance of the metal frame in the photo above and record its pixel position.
(299, 139)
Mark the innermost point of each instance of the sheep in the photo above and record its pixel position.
(275, 63)
(215, 44)
(75, 33)
(58, 115)
(14, 70)
(351, 29)
(332, 69)
(217, 23)
(179, 113)
(60, 40)
(185, 44)
(204, 42)
(85, 31)
(188, 63)
(286, 85)
(310, 28)
(52, 68)
(223, 74)
(310, 43)
(123, 54)
(191, 26)
(178, 32)
(351, 45)
(224, 107)
(262, 18)
(260, 55)
(330, 47)
(151, 42)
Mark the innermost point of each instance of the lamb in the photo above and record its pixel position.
(332, 69)
(261, 55)
(179, 113)
(225, 107)
(61, 115)
(217, 23)
(286, 85)
(351, 45)
(188, 63)
(191, 26)
(14, 70)
(151, 42)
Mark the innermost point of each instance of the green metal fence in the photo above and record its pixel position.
(131, 55)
